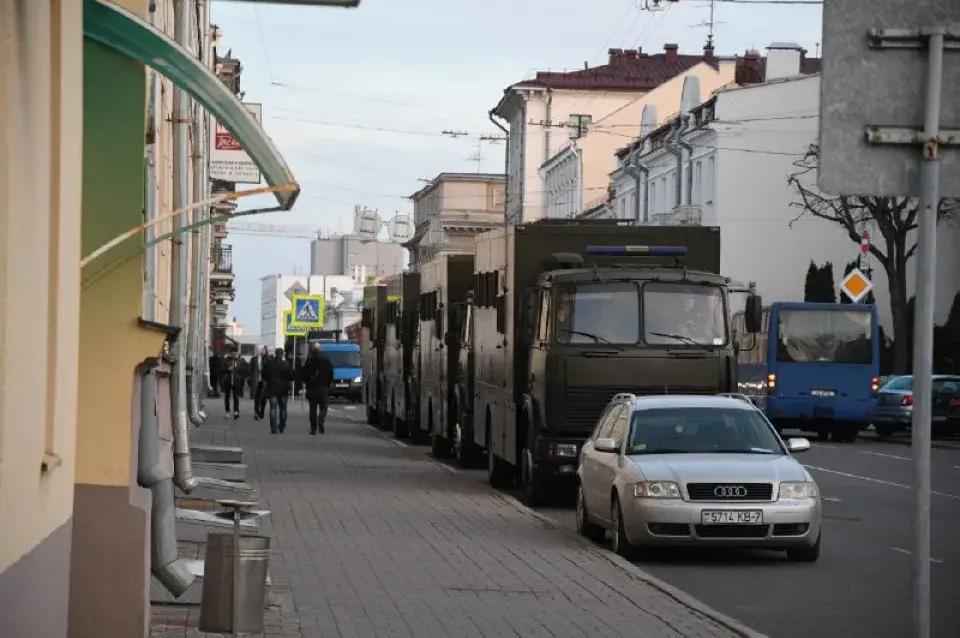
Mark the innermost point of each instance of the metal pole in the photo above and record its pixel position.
(235, 607)
(923, 336)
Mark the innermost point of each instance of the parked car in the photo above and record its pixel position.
(894, 411)
(695, 470)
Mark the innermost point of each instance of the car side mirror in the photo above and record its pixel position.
(798, 445)
(753, 314)
(610, 446)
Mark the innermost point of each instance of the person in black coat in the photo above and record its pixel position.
(232, 381)
(317, 379)
(277, 377)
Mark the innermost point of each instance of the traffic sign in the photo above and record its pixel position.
(308, 311)
(295, 289)
(290, 330)
(856, 285)
(873, 96)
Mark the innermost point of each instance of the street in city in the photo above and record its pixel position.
(860, 587)
(372, 538)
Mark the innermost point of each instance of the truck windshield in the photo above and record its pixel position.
(831, 336)
(689, 314)
(604, 312)
(343, 358)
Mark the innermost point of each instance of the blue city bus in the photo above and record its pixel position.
(813, 367)
(347, 367)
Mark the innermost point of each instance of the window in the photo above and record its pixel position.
(698, 183)
(834, 336)
(579, 126)
(466, 326)
(598, 313)
(652, 204)
(702, 430)
(678, 314)
(619, 430)
(343, 359)
(543, 325)
(663, 196)
(708, 182)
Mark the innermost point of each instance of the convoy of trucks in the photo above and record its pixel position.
(510, 353)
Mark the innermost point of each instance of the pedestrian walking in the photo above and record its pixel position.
(243, 367)
(277, 379)
(257, 363)
(216, 367)
(317, 379)
(232, 382)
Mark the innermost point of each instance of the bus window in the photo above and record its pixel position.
(829, 336)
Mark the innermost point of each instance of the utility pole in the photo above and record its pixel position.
(480, 139)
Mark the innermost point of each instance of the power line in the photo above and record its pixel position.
(263, 42)
(362, 127)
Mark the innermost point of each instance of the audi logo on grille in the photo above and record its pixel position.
(730, 491)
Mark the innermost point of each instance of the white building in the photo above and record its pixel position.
(726, 163)
(340, 292)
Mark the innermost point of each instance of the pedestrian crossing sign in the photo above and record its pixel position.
(289, 330)
(308, 311)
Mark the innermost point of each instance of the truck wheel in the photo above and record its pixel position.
(440, 447)
(371, 416)
(465, 450)
(535, 485)
(499, 473)
(399, 425)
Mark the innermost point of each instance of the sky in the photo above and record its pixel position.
(357, 99)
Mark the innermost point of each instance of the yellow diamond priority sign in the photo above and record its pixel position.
(855, 285)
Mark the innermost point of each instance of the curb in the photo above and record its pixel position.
(663, 587)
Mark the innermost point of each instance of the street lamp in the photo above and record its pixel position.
(346, 4)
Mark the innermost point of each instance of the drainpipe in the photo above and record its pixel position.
(578, 154)
(506, 162)
(150, 199)
(674, 149)
(640, 173)
(689, 150)
(548, 111)
(180, 270)
(194, 371)
(207, 231)
(154, 472)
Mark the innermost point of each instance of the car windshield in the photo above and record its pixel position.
(677, 314)
(701, 430)
(607, 312)
(343, 358)
(830, 336)
(940, 384)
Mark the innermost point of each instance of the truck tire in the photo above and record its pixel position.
(536, 487)
(499, 472)
(467, 453)
(398, 424)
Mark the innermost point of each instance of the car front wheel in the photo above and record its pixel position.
(806, 554)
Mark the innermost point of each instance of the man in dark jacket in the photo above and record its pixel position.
(317, 379)
(216, 366)
(232, 382)
(257, 363)
(276, 388)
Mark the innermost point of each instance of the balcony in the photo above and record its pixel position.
(221, 270)
(220, 230)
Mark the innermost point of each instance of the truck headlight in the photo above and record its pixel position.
(565, 450)
(358, 380)
(797, 490)
(656, 489)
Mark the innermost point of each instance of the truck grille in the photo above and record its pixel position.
(730, 491)
(582, 406)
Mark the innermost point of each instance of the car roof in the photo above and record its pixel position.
(660, 401)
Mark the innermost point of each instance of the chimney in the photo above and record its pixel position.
(671, 51)
(783, 60)
(630, 54)
(615, 55)
(708, 55)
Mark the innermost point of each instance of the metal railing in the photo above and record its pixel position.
(222, 259)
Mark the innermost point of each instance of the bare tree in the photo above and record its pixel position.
(893, 217)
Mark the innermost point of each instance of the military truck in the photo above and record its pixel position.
(400, 367)
(373, 323)
(556, 337)
(444, 281)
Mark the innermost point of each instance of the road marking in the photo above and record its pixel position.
(831, 499)
(878, 481)
(887, 456)
(956, 467)
(909, 553)
(827, 447)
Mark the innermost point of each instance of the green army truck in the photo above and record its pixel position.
(444, 281)
(401, 357)
(568, 314)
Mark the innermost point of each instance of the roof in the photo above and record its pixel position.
(752, 67)
(653, 402)
(458, 177)
(625, 70)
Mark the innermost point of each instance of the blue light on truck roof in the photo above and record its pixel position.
(622, 251)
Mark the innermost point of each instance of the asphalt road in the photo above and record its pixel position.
(860, 587)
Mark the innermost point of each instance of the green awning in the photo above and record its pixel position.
(115, 27)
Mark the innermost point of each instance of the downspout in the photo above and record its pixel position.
(674, 149)
(180, 270)
(204, 335)
(689, 150)
(548, 112)
(193, 364)
(640, 173)
(150, 198)
(506, 163)
(154, 472)
(578, 154)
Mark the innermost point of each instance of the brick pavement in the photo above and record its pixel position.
(373, 539)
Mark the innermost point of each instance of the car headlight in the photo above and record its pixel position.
(358, 380)
(797, 490)
(656, 489)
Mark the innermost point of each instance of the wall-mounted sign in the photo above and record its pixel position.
(228, 161)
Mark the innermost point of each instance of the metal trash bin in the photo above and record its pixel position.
(216, 606)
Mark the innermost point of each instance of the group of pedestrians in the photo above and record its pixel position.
(272, 379)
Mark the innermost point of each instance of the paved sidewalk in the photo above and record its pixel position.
(372, 539)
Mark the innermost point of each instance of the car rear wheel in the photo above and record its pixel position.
(883, 431)
(586, 527)
(620, 543)
(805, 554)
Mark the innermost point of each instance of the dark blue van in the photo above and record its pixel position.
(347, 368)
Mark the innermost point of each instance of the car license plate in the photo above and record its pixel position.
(823, 393)
(342, 384)
(731, 517)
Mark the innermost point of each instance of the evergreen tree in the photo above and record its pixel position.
(827, 290)
(818, 286)
(810, 283)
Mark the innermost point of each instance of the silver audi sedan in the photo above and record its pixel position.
(695, 470)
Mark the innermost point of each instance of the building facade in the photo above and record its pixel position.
(541, 114)
(349, 255)
(341, 292)
(450, 210)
